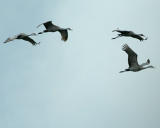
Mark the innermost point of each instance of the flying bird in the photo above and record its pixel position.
(50, 27)
(132, 61)
(140, 37)
(22, 36)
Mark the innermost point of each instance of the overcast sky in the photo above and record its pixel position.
(77, 84)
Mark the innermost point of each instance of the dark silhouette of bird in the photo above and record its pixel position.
(50, 27)
(132, 61)
(22, 36)
(140, 37)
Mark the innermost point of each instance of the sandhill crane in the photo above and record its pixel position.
(140, 37)
(50, 27)
(132, 60)
(22, 36)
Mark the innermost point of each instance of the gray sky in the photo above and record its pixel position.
(77, 84)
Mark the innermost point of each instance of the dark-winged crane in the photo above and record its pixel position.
(22, 36)
(132, 61)
(50, 27)
(140, 37)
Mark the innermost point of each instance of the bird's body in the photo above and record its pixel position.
(132, 61)
(50, 27)
(129, 34)
(22, 36)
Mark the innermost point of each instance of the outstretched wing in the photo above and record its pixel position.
(138, 37)
(26, 38)
(64, 35)
(132, 56)
(10, 39)
(46, 24)
(49, 25)
(122, 31)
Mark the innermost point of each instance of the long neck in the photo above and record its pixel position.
(148, 67)
(144, 64)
